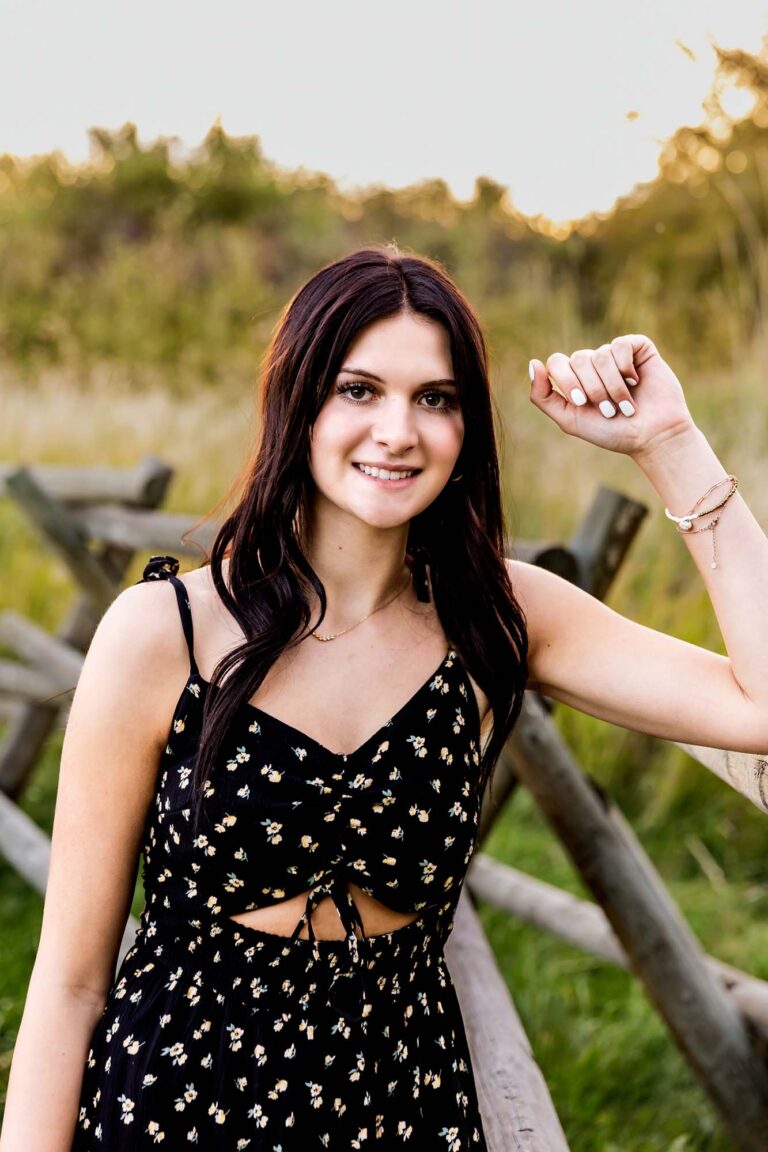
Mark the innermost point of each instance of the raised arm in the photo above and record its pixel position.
(132, 677)
(587, 655)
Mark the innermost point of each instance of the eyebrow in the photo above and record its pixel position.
(371, 376)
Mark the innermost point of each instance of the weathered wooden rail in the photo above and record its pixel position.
(97, 521)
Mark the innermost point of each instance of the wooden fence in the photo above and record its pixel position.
(99, 520)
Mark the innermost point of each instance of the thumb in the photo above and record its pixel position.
(543, 395)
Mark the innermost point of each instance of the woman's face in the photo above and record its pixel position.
(393, 406)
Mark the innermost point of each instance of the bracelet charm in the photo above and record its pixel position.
(685, 523)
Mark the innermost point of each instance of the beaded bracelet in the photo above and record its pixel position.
(685, 523)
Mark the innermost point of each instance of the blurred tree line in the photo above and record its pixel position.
(176, 264)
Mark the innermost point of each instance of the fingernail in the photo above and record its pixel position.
(627, 408)
(578, 396)
(531, 371)
(630, 381)
(607, 408)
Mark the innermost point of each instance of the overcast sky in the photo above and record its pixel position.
(535, 95)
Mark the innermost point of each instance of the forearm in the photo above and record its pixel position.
(681, 470)
(47, 1070)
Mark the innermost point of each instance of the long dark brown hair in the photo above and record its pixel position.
(460, 534)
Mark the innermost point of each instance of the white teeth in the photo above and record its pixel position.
(383, 473)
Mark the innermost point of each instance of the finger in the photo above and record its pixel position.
(561, 373)
(606, 367)
(546, 399)
(642, 349)
(591, 381)
(622, 348)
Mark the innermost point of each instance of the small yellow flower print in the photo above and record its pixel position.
(219, 1115)
(272, 774)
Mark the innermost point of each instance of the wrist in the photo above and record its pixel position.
(670, 447)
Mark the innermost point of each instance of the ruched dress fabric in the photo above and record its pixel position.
(228, 1037)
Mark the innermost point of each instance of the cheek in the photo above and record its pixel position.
(449, 437)
(331, 437)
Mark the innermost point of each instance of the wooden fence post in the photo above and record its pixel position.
(29, 726)
(717, 1042)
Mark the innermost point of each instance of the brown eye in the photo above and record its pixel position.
(346, 391)
(446, 400)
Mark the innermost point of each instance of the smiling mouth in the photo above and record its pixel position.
(387, 473)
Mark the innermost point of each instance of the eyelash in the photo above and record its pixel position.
(449, 404)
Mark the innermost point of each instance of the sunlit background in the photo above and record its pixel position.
(566, 104)
(171, 172)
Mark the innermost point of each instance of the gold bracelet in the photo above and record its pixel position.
(685, 523)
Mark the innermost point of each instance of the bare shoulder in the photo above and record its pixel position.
(138, 653)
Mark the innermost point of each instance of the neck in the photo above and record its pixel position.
(359, 568)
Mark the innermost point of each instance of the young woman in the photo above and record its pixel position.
(297, 736)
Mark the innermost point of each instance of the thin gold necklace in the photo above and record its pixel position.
(324, 639)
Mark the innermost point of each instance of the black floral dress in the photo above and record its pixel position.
(228, 1037)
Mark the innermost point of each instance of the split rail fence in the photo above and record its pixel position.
(98, 521)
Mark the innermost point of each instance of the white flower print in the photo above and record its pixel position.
(273, 830)
(126, 1109)
(315, 1091)
(176, 1052)
(452, 1138)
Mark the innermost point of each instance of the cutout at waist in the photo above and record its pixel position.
(281, 918)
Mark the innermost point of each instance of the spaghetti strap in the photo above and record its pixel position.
(166, 568)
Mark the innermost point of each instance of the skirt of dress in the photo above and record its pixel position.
(239, 1040)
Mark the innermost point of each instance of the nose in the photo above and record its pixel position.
(395, 427)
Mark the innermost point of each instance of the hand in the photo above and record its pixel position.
(654, 406)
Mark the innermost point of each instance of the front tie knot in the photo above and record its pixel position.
(351, 919)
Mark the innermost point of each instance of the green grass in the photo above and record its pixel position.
(617, 1080)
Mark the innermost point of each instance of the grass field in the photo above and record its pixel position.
(616, 1077)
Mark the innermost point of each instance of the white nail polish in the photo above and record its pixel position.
(627, 408)
(578, 396)
(632, 383)
(531, 371)
(607, 408)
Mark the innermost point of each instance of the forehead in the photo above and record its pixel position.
(404, 346)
